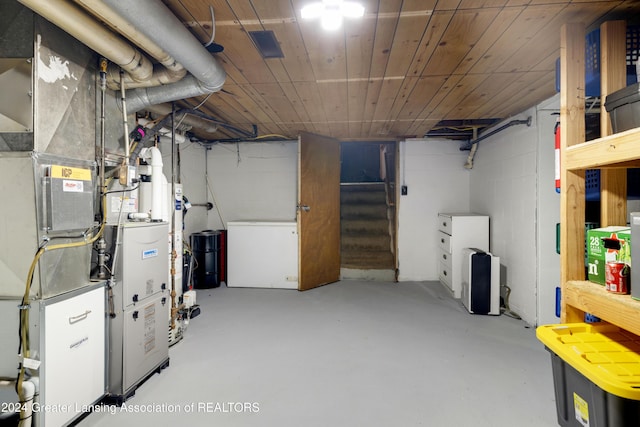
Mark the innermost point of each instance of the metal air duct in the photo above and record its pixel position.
(171, 71)
(155, 21)
(95, 35)
(188, 119)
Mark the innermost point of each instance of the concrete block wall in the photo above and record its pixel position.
(437, 182)
(512, 181)
(503, 186)
(244, 181)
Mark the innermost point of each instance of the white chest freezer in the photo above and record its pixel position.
(262, 254)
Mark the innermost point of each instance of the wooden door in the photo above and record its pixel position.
(318, 210)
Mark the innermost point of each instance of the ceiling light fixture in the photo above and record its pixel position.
(332, 12)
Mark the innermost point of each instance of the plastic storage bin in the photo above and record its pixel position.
(592, 184)
(596, 374)
(623, 107)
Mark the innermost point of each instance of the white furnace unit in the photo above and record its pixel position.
(480, 282)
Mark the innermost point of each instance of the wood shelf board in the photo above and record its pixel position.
(620, 310)
(609, 151)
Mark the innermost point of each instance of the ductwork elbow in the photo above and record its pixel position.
(95, 35)
(189, 87)
(161, 76)
(157, 22)
(199, 123)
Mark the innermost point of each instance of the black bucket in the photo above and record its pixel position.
(206, 267)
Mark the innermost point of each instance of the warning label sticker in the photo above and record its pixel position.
(71, 186)
(66, 172)
(581, 409)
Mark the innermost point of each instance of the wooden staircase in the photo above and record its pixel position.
(367, 227)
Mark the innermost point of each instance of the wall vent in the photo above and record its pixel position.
(267, 44)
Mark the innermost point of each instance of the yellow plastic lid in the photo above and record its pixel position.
(605, 354)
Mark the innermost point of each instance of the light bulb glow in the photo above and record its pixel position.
(312, 11)
(332, 12)
(351, 9)
(331, 20)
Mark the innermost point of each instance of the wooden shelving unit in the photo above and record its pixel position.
(612, 154)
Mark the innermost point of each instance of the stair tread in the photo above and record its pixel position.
(365, 227)
(372, 260)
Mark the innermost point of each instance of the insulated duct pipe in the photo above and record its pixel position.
(156, 21)
(186, 119)
(160, 26)
(95, 35)
(172, 71)
(152, 155)
(164, 134)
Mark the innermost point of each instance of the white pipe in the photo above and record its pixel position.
(144, 195)
(165, 199)
(127, 144)
(154, 155)
(95, 35)
(138, 215)
(28, 391)
(472, 153)
(144, 170)
(160, 76)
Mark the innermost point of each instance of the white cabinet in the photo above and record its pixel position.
(72, 337)
(456, 232)
(67, 335)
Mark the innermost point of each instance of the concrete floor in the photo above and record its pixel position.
(352, 353)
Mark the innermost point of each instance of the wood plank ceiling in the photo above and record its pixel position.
(398, 72)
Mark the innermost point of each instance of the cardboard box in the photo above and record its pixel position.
(598, 255)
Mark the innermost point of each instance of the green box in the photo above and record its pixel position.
(598, 255)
